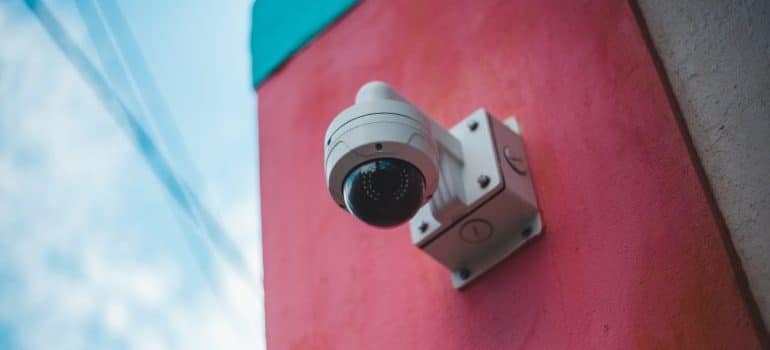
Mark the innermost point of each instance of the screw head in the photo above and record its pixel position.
(473, 125)
(423, 227)
(483, 181)
(464, 274)
(527, 231)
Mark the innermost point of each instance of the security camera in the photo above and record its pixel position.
(466, 191)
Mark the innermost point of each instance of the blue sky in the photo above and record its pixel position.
(96, 254)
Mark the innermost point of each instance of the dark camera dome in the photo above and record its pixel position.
(384, 192)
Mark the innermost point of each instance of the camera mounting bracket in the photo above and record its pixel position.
(484, 208)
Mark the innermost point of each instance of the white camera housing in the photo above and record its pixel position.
(478, 204)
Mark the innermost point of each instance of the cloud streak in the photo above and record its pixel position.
(93, 255)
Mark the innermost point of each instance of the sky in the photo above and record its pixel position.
(95, 252)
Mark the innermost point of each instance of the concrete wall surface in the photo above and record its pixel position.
(717, 56)
(632, 256)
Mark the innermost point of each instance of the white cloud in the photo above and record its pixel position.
(92, 253)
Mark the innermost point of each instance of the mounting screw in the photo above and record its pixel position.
(423, 227)
(473, 125)
(464, 274)
(527, 231)
(483, 181)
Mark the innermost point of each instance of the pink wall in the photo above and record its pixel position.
(632, 255)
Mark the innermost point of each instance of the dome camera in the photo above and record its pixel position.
(466, 192)
(381, 158)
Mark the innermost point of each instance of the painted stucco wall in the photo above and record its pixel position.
(717, 56)
(632, 255)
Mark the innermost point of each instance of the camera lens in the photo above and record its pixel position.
(384, 192)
